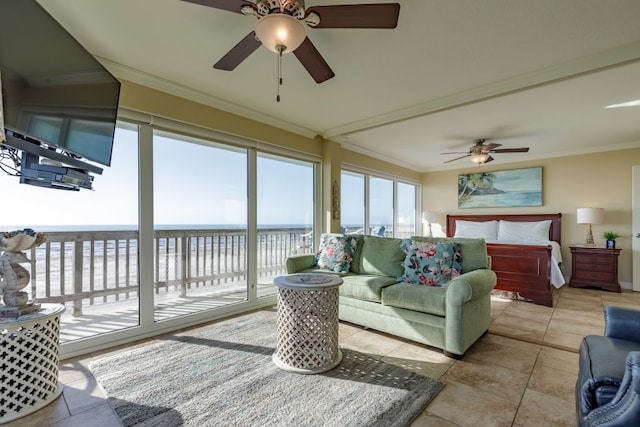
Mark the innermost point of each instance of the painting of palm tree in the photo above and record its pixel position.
(518, 187)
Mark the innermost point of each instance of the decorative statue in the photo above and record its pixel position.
(14, 277)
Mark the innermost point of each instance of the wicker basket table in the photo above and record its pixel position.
(29, 362)
(307, 323)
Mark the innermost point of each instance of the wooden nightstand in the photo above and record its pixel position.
(594, 267)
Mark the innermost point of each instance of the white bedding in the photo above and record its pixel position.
(557, 279)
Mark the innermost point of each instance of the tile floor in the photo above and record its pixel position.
(521, 373)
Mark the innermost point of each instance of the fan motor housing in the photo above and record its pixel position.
(294, 8)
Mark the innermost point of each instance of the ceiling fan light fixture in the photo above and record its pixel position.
(479, 158)
(277, 30)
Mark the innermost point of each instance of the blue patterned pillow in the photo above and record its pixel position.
(431, 263)
(336, 252)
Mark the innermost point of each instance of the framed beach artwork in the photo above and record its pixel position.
(511, 188)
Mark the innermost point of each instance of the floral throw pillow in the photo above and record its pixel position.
(431, 263)
(336, 253)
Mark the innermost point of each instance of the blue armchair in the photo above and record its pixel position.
(608, 385)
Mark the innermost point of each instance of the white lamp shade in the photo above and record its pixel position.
(429, 216)
(590, 215)
(279, 29)
(479, 158)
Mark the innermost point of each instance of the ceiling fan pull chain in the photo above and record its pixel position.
(279, 73)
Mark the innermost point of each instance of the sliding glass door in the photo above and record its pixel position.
(200, 225)
(285, 215)
(179, 230)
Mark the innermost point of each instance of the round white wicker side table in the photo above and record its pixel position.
(29, 362)
(307, 323)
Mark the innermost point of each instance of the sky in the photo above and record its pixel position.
(193, 184)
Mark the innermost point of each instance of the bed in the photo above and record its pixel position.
(527, 268)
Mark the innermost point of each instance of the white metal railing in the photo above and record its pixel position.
(92, 267)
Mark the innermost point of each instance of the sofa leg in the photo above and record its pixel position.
(453, 355)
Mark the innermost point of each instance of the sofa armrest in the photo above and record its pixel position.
(624, 409)
(470, 286)
(299, 262)
(622, 323)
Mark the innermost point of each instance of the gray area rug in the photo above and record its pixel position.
(223, 375)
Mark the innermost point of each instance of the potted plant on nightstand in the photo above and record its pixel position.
(611, 237)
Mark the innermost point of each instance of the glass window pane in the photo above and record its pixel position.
(285, 205)
(380, 206)
(406, 211)
(200, 222)
(352, 202)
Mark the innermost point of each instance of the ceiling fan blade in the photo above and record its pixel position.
(491, 147)
(313, 62)
(511, 150)
(489, 159)
(239, 53)
(383, 15)
(229, 5)
(456, 152)
(453, 160)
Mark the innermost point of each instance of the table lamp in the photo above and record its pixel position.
(590, 216)
(429, 217)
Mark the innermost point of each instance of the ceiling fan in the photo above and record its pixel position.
(480, 152)
(281, 28)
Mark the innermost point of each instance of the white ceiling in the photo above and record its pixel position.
(522, 73)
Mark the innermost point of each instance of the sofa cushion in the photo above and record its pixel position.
(425, 299)
(336, 252)
(366, 287)
(382, 256)
(430, 263)
(474, 251)
(357, 256)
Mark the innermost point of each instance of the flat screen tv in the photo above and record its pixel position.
(53, 90)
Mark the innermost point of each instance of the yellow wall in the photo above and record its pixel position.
(146, 100)
(591, 180)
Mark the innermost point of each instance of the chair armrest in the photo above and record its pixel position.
(299, 262)
(470, 286)
(624, 409)
(622, 323)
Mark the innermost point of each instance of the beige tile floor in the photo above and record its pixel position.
(521, 373)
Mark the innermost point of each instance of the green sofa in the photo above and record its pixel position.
(451, 318)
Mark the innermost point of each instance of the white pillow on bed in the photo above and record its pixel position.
(536, 231)
(487, 230)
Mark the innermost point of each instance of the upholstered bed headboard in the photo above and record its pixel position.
(554, 230)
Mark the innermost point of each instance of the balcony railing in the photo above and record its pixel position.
(96, 267)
